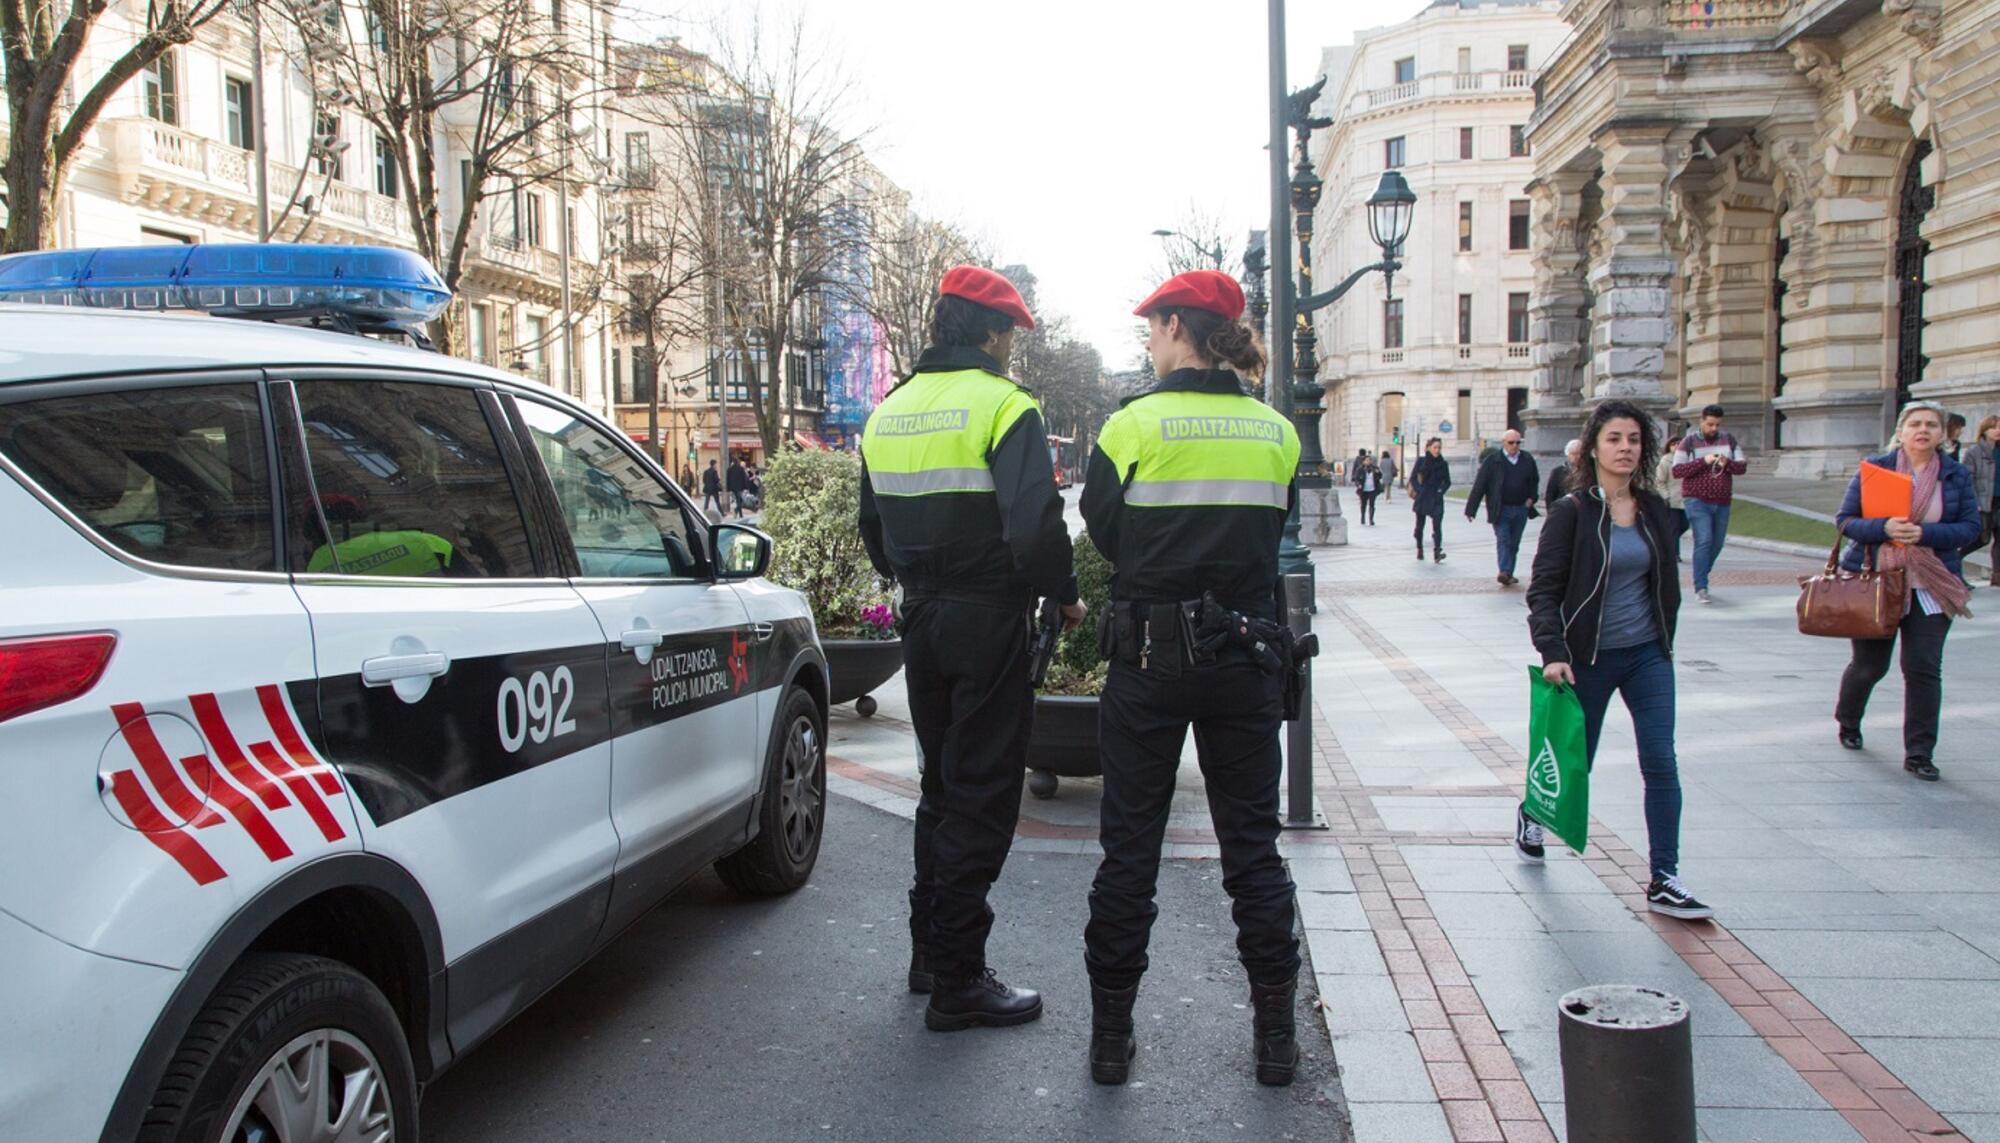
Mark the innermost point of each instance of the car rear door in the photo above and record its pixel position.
(460, 680)
(686, 733)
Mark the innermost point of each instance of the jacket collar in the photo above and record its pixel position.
(956, 358)
(1194, 381)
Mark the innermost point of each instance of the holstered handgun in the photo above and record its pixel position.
(1048, 632)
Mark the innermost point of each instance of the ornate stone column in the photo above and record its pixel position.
(1961, 304)
(1726, 231)
(1557, 314)
(1633, 320)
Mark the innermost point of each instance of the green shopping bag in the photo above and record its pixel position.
(1559, 763)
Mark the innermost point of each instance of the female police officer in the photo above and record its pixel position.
(1188, 488)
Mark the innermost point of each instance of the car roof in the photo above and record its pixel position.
(47, 342)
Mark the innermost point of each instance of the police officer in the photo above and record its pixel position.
(959, 507)
(1187, 491)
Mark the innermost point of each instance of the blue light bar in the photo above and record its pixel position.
(372, 287)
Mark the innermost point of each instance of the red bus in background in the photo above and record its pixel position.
(1060, 462)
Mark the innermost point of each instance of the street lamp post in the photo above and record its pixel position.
(1211, 254)
(1256, 264)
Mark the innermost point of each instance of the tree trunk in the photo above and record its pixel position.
(33, 182)
(652, 401)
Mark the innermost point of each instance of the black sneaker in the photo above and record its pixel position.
(1438, 557)
(1851, 739)
(1921, 768)
(1667, 896)
(1527, 838)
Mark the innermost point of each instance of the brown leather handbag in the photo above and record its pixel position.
(1845, 605)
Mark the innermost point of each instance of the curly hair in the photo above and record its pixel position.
(1583, 476)
(958, 322)
(1219, 339)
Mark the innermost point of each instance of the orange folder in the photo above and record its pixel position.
(1885, 493)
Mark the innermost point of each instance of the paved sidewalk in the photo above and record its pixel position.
(1851, 989)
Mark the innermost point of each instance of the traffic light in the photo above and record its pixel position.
(1395, 436)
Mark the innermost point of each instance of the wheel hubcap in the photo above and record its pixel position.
(323, 1087)
(801, 795)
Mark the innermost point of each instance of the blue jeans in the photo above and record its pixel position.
(1644, 676)
(1710, 524)
(1507, 529)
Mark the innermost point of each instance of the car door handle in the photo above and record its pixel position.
(641, 637)
(386, 669)
(762, 631)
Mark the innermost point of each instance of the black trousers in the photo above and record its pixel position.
(1437, 530)
(1923, 680)
(1367, 504)
(1144, 717)
(966, 666)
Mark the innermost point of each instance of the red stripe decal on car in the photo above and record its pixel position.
(294, 743)
(138, 734)
(220, 739)
(154, 827)
(329, 826)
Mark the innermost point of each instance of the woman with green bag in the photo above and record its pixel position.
(1602, 606)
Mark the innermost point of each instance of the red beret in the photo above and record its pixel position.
(1210, 290)
(978, 284)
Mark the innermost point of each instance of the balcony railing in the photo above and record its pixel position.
(1517, 352)
(1444, 83)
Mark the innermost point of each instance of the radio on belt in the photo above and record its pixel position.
(359, 289)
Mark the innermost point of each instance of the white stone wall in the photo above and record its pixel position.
(1428, 111)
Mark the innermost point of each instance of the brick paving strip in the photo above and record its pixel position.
(1451, 1023)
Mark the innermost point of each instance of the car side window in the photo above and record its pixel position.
(623, 521)
(177, 476)
(410, 483)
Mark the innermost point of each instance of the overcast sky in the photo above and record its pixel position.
(1061, 133)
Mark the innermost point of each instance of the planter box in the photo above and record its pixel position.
(857, 666)
(1063, 743)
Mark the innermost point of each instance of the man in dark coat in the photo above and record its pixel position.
(1509, 484)
(711, 490)
(739, 480)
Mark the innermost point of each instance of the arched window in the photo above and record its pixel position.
(1917, 200)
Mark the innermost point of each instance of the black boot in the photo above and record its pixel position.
(920, 969)
(960, 1004)
(1111, 1046)
(1275, 1033)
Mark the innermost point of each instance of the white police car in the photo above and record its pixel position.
(350, 697)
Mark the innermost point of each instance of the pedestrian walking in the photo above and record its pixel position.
(959, 507)
(1507, 483)
(1943, 519)
(1988, 494)
(1706, 462)
(1602, 608)
(1559, 475)
(711, 491)
(1390, 466)
(736, 481)
(1191, 519)
(1954, 425)
(1671, 489)
(1368, 485)
(1979, 458)
(1429, 481)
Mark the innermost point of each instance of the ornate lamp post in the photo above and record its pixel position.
(1209, 254)
(1256, 264)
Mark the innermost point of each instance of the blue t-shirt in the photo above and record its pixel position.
(1629, 619)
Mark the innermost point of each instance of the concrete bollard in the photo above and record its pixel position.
(1628, 1065)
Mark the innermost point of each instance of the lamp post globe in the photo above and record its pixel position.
(1390, 210)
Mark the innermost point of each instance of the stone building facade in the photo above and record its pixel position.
(1444, 96)
(1784, 206)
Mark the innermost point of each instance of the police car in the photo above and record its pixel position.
(350, 697)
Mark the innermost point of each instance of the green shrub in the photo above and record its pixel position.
(812, 503)
(1077, 670)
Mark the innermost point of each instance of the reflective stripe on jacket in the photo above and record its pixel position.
(1188, 489)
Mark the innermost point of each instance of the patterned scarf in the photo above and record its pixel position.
(1925, 571)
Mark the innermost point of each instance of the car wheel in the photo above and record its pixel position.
(290, 1049)
(792, 812)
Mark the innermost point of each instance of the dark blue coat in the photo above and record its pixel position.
(1949, 536)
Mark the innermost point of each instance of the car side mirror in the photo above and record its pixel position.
(741, 552)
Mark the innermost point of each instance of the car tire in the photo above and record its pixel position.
(792, 811)
(305, 1019)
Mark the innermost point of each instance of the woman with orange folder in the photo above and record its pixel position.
(1915, 507)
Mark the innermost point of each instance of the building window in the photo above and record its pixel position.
(1465, 61)
(1465, 142)
(1517, 57)
(160, 83)
(1392, 152)
(532, 230)
(1517, 402)
(1406, 70)
(1517, 140)
(1465, 319)
(1517, 224)
(1465, 226)
(238, 120)
(1517, 319)
(638, 154)
(326, 141)
(1392, 324)
(387, 174)
(1463, 422)
(479, 333)
(534, 350)
(556, 14)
